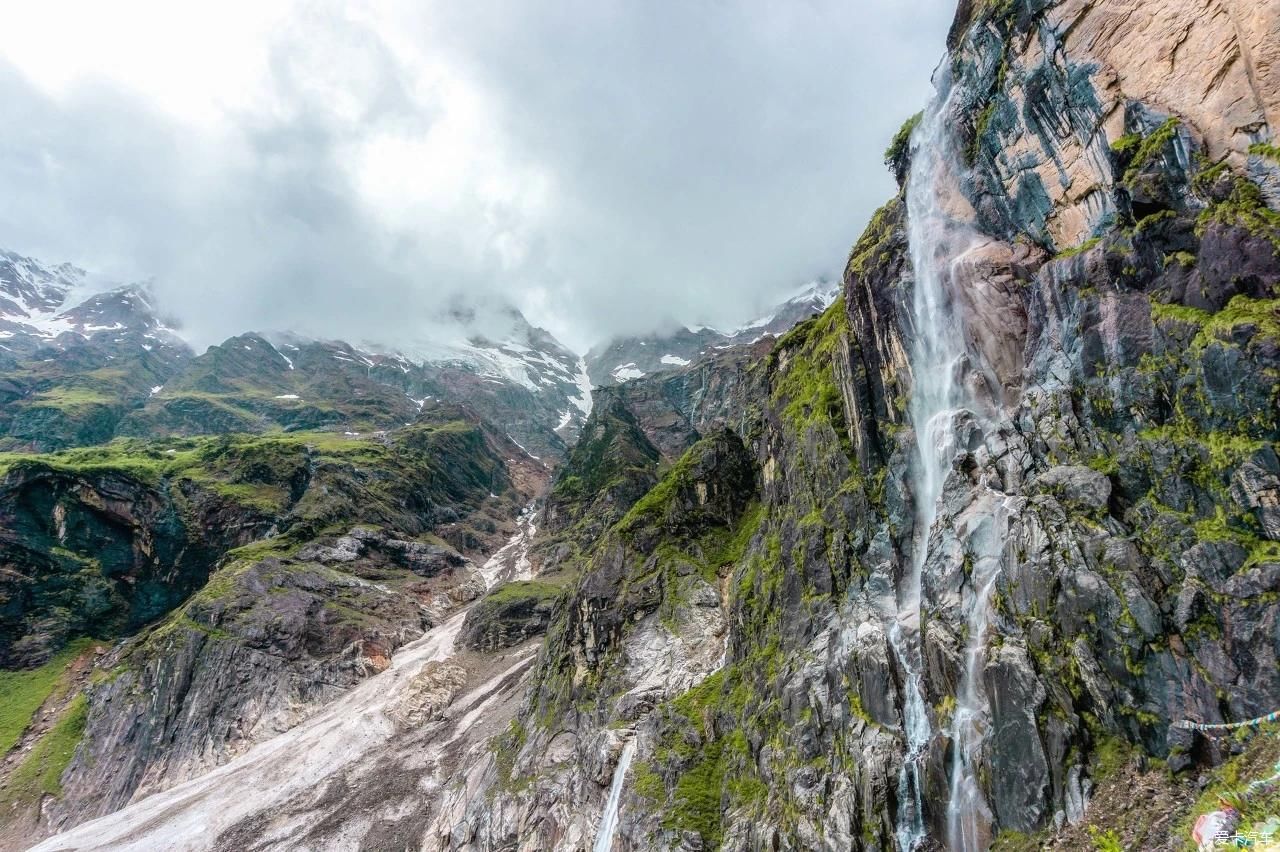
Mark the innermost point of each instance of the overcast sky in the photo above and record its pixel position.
(350, 169)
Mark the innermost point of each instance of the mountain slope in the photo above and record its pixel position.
(79, 369)
(630, 358)
(939, 568)
(1102, 551)
(70, 369)
(256, 578)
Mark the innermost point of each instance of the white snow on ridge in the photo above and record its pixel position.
(288, 396)
(822, 293)
(286, 358)
(676, 360)
(583, 400)
(627, 372)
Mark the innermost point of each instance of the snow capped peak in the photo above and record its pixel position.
(630, 358)
(31, 288)
(39, 303)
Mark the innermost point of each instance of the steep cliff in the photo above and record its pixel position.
(1092, 197)
(259, 578)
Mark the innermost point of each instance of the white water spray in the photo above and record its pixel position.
(968, 814)
(940, 239)
(936, 360)
(609, 820)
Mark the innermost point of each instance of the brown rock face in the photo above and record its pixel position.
(1076, 75)
(1208, 61)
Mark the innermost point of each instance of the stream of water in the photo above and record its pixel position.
(609, 820)
(939, 240)
(938, 352)
(968, 814)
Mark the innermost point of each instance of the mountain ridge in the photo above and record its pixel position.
(943, 566)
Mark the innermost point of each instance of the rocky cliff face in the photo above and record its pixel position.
(1105, 525)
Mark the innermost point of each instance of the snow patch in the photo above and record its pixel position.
(583, 400)
(676, 360)
(627, 372)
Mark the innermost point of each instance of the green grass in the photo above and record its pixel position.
(1245, 208)
(40, 773)
(879, 232)
(1109, 757)
(1264, 149)
(72, 399)
(696, 801)
(805, 384)
(1078, 250)
(901, 144)
(1150, 148)
(523, 590)
(1241, 310)
(1127, 143)
(271, 498)
(1105, 841)
(210, 460)
(22, 692)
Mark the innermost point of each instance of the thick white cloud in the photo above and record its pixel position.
(353, 170)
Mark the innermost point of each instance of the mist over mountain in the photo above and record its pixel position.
(508, 428)
(347, 174)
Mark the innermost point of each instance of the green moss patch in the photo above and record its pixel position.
(805, 383)
(900, 147)
(73, 399)
(23, 692)
(40, 773)
(874, 239)
(1263, 314)
(1078, 250)
(1151, 147)
(1244, 208)
(1267, 150)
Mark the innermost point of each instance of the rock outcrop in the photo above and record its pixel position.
(260, 578)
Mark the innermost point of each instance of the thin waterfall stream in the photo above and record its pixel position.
(939, 240)
(968, 814)
(609, 819)
(938, 351)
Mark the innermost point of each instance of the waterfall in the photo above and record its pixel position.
(939, 239)
(968, 814)
(609, 819)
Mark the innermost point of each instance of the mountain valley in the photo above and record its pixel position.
(969, 550)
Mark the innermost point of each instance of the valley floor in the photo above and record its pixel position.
(363, 772)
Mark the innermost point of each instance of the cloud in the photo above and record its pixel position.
(607, 167)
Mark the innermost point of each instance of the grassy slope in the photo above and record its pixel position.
(23, 692)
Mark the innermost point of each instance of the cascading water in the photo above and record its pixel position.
(939, 241)
(609, 820)
(968, 814)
